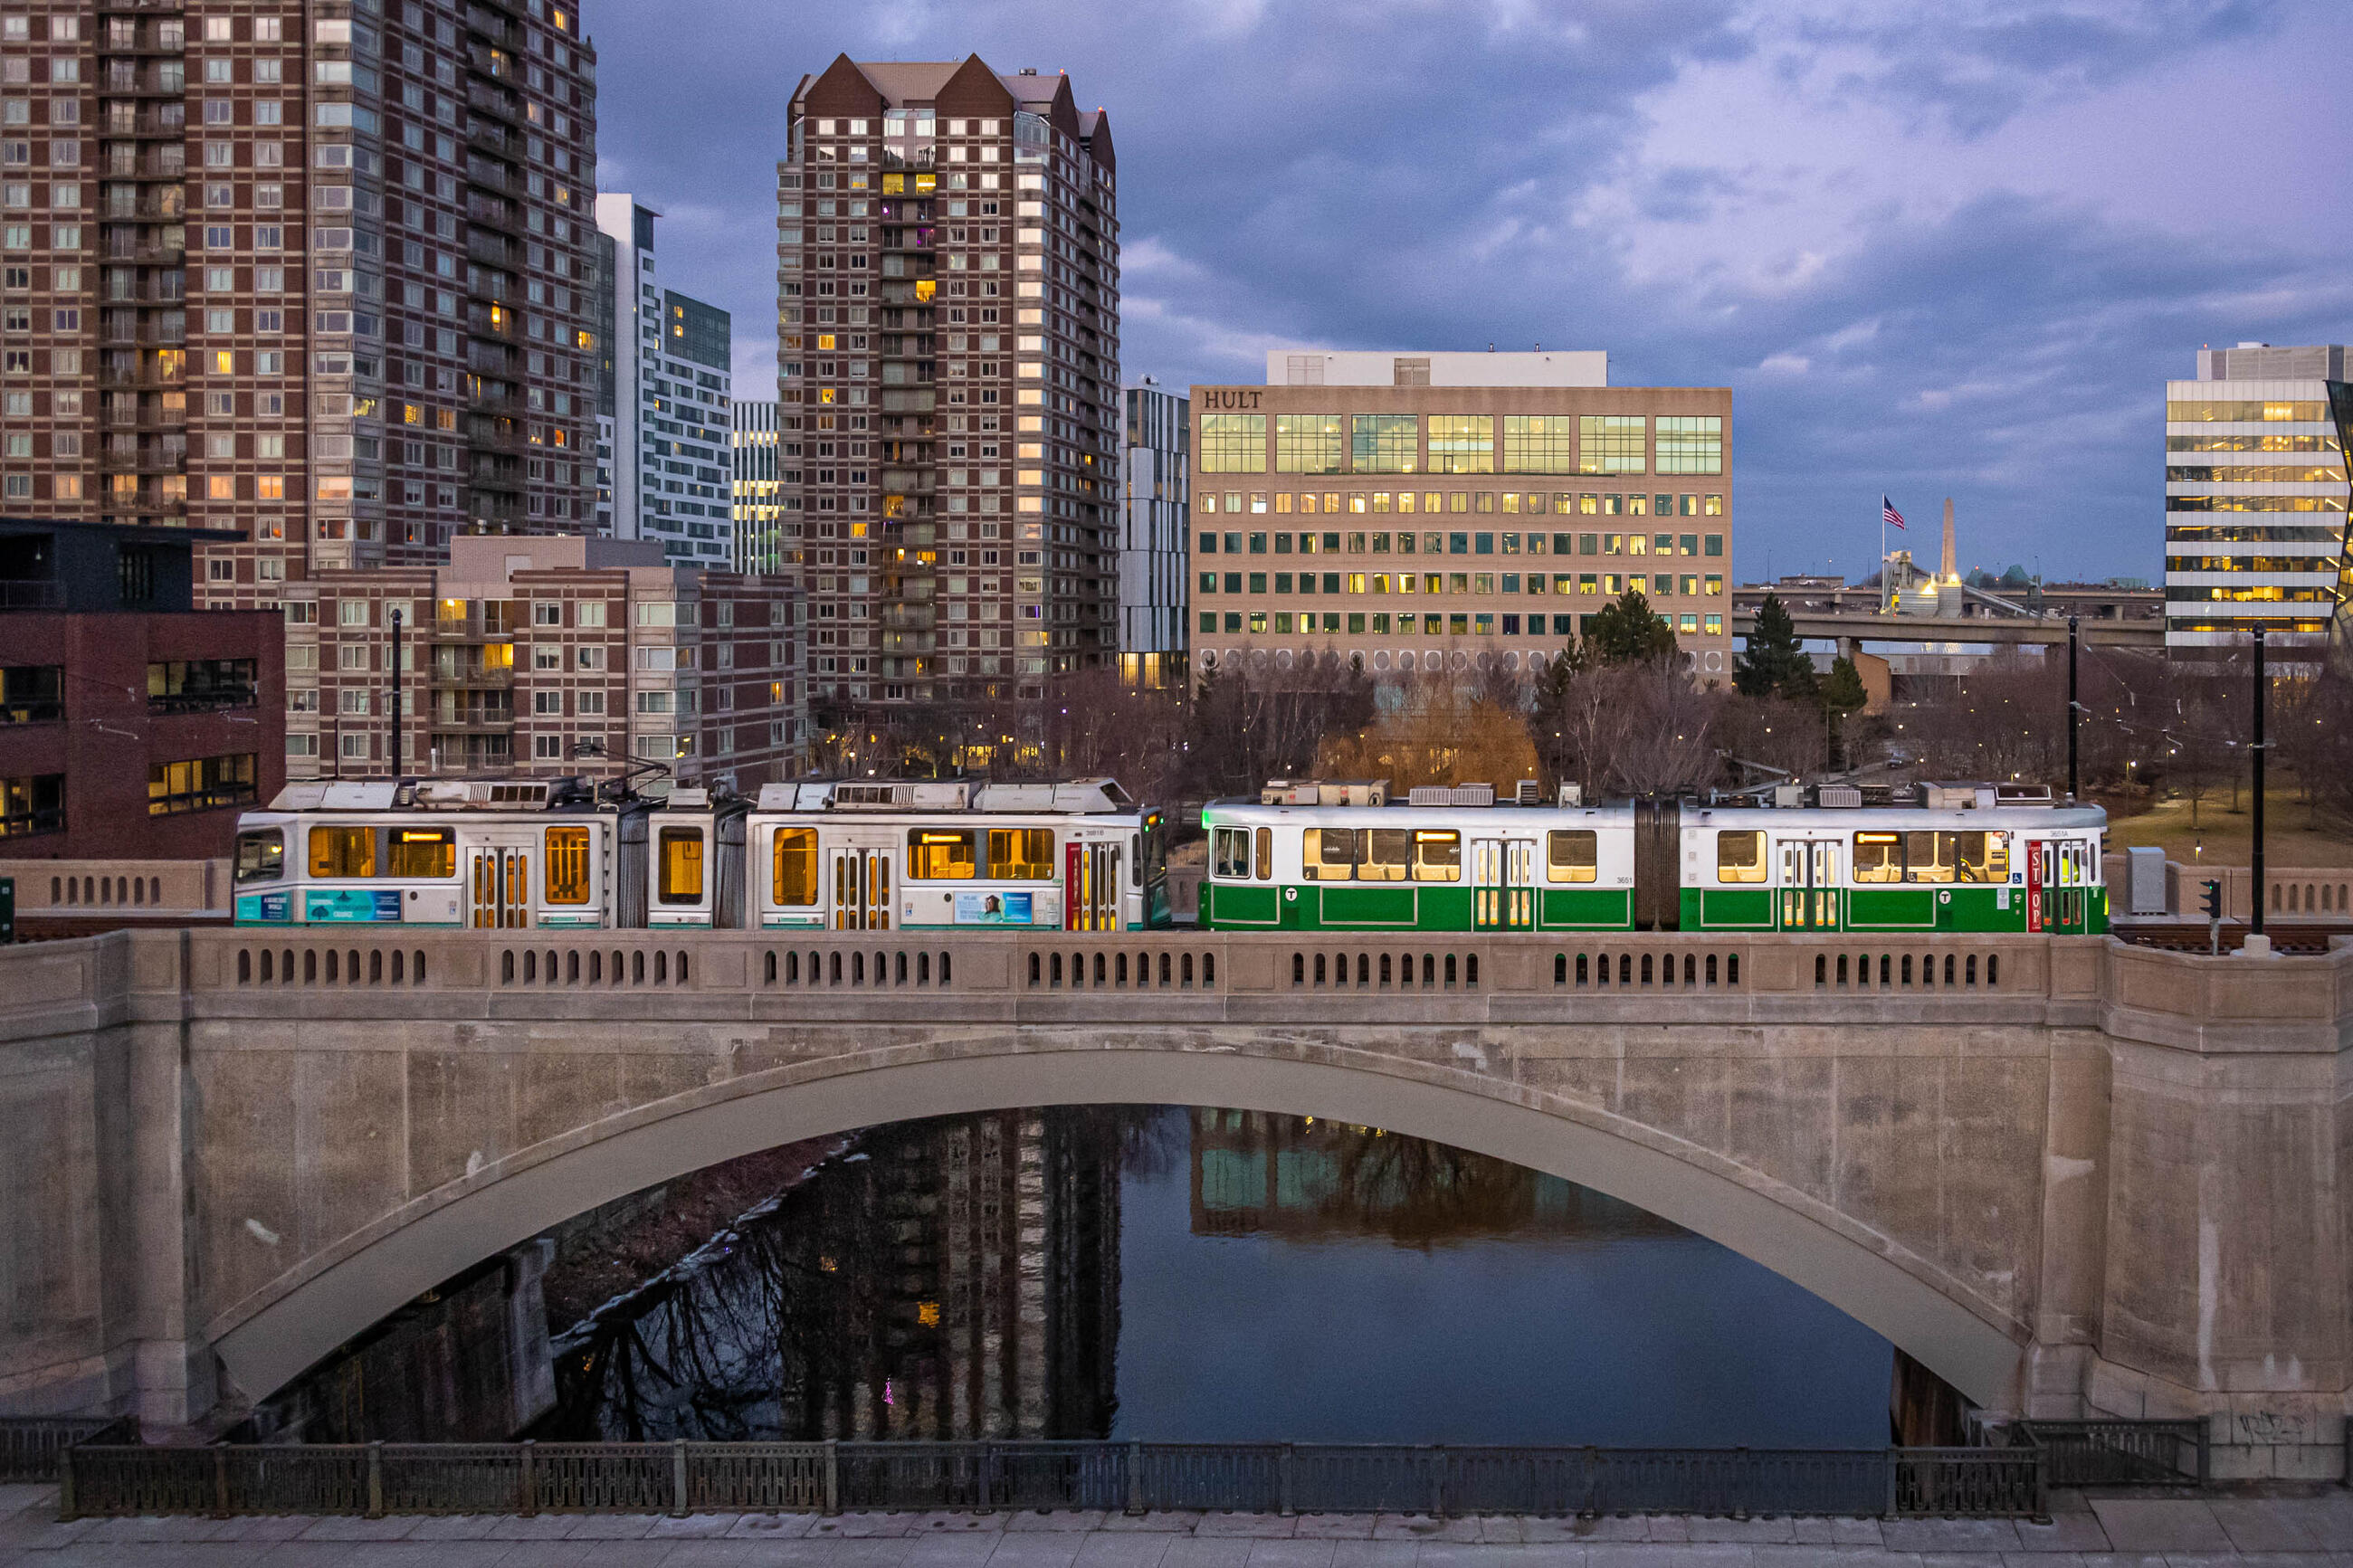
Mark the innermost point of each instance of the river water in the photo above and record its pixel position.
(1176, 1274)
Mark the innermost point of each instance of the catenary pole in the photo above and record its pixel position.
(2262, 701)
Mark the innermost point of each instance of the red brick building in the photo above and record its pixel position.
(132, 727)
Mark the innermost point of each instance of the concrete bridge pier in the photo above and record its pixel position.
(2068, 1175)
(95, 1154)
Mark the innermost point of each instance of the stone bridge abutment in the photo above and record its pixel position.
(2069, 1176)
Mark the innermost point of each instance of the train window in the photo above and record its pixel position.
(1740, 856)
(1231, 853)
(1327, 854)
(1878, 857)
(424, 852)
(260, 856)
(1928, 856)
(1382, 853)
(1572, 856)
(1021, 853)
(941, 854)
(795, 871)
(1985, 857)
(343, 852)
(680, 854)
(1437, 856)
(568, 865)
(1265, 854)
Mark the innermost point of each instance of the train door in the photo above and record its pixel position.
(1090, 886)
(498, 881)
(2059, 876)
(1810, 884)
(1502, 894)
(861, 886)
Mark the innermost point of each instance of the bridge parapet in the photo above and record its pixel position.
(2075, 1176)
(888, 974)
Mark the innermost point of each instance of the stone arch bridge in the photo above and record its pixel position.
(2070, 1175)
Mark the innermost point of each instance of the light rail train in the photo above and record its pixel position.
(1967, 859)
(852, 856)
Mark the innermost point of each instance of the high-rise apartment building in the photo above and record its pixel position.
(763, 540)
(1443, 512)
(315, 276)
(518, 650)
(2255, 497)
(948, 368)
(1154, 530)
(663, 463)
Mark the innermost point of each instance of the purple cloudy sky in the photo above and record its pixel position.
(1936, 250)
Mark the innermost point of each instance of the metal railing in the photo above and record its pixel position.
(115, 1478)
(2119, 1453)
(31, 1445)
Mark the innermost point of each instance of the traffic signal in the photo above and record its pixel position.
(2210, 900)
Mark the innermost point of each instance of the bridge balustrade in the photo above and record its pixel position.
(1960, 970)
(1218, 963)
(329, 967)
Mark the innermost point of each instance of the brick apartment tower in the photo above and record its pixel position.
(948, 376)
(314, 274)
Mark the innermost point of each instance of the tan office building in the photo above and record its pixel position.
(1440, 511)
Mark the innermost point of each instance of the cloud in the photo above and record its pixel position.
(1932, 249)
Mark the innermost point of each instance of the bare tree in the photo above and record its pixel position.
(1438, 732)
(1252, 722)
(1778, 734)
(1665, 740)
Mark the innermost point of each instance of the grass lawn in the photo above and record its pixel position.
(2291, 836)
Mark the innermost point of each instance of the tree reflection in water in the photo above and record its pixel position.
(960, 1276)
(952, 1277)
(1309, 1179)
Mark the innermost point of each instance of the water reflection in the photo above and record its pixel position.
(1206, 1275)
(952, 1277)
(1307, 1180)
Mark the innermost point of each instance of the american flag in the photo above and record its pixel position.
(1887, 513)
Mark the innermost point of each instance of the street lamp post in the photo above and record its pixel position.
(395, 693)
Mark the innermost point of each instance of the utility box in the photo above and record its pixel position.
(2145, 881)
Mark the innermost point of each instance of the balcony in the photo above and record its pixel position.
(492, 137)
(17, 594)
(147, 462)
(492, 250)
(472, 628)
(499, 105)
(502, 215)
(470, 724)
(473, 678)
(202, 703)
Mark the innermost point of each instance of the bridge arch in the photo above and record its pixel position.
(274, 1336)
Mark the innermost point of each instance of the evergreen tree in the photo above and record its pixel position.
(1841, 694)
(1629, 631)
(1774, 663)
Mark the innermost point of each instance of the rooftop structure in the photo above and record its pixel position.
(1381, 367)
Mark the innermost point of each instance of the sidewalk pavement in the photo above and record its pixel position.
(2302, 1531)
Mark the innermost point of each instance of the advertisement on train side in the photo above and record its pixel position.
(994, 908)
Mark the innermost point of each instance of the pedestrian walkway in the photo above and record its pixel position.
(2099, 1533)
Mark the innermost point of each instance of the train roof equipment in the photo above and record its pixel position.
(1077, 797)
